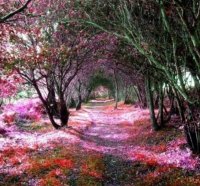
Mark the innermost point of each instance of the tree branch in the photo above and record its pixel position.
(11, 14)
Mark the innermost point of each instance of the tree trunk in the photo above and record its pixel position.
(180, 107)
(51, 118)
(116, 90)
(161, 117)
(142, 95)
(63, 111)
(151, 104)
(51, 98)
(47, 106)
(156, 102)
(138, 94)
(1, 102)
(127, 99)
(78, 106)
(169, 114)
(64, 114)
(126, 95)
(88, 95)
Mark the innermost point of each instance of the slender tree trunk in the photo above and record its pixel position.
(169, 114)
(138, 95)
(125, 95)
(88, 95)
(52, 102)
(156, 102)
(151, 104)
(161, 117)
(78, 106)
(180, 107)
(63, 111)
(127, 99)
(1, 102)
(116, 90)
(142, 95)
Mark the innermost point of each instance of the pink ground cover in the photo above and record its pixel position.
(123, 132)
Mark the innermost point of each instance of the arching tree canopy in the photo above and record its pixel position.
(148, 47)
(100, 79)
(55, 57)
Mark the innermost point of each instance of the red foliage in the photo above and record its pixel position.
(139, 156)
(1, 160)
(55, 172)
(164, 169)
(86, 170)
(9, 118)
(9, 83)
(47, 164)
(159, 148)
(151, 162)
(10, 152)
(15, 161)
(144, 158)
(50, 181)
(64, 163)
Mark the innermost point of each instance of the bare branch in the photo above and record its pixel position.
(11, 14)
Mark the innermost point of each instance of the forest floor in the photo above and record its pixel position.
(101, 147)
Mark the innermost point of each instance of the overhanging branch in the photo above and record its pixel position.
(11, 14)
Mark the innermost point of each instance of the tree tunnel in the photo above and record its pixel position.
(101, 80)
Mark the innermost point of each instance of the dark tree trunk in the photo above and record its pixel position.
(1, 102)
(116, 90)
(51, 118)
(88, 95)
(52, 102)
(126, 95)
(72, 103)
(161, 116)
(151, 104)
(47, 107)
(64, 113)
(110, 95)
(169, 114)
(142, 95)
(127, 99)
(180, 107)
(78, 106)
(156, 102)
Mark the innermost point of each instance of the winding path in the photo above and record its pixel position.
(111, 130)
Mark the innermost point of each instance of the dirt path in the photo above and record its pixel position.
(110, 129)
(107, 147)
(109, 134)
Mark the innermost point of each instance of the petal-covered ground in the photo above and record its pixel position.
(101, 146)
